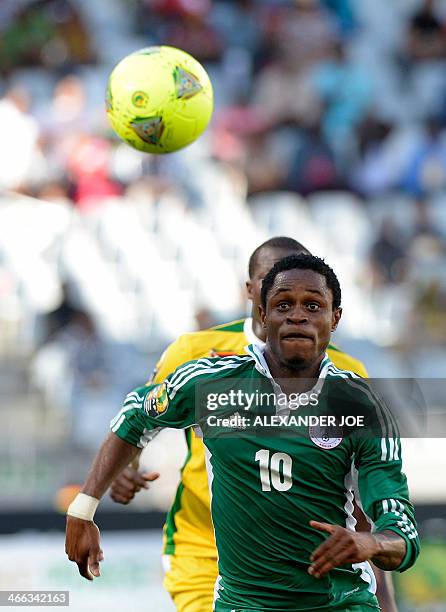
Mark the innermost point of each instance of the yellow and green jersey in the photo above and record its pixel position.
(266, 488)
(188, 530)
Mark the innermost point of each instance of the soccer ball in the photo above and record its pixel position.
(159, 99)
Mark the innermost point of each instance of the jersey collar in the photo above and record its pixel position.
(249, 333)
(257, 352)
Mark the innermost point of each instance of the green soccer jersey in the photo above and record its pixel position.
(266, 488)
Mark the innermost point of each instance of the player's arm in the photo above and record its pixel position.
(131, 479)
(82, 543)
(385, 549)
(385, 591)
(385, 497)
(145, 410)
(393, 544)
(384, 583)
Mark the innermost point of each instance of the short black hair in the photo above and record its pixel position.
(278, 242)
(303, 262)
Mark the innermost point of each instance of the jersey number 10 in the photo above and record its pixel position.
(275, 470)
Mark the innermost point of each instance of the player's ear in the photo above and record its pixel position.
(262, 313)
(249, 289)
(336, 317)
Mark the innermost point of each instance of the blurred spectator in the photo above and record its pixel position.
(65, 126)
(89, 168)
(74, 369)
(8, 8)
(345, 89)
(72, 45)
(60, 318)
(344, 12)
(304, 34)
(428, 317)
(423, 62)
(53, 191)
(388, 256)
(178, 8)
(49, 32)
(282, 92)
(24, 37)
(312, 164)
(19, 149)
(375, 171)
(204, 318)
(239, 24)
(68, 110)
(81, 339)
(188, 27)
(424, 225)
(427, 251)
(290, 158)
(265, 168)
(426, 167)
(426, 37)
(81, 372)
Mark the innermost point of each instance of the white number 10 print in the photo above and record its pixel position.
(270, 470)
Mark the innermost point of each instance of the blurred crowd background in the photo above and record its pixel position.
(329, 126)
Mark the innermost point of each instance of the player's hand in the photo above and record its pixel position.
(82, 545)
(343, 546)
(124, 488)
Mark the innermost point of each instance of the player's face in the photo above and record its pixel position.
(299, 317)
(265, 261)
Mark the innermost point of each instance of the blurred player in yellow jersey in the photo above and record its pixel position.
(190, 556)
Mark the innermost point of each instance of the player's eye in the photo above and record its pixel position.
(313, 306)
(283, 306)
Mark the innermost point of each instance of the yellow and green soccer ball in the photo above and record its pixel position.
(159, 99)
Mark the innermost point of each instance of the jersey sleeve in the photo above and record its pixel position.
(383, 489)
(148, 409)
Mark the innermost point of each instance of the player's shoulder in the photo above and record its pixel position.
(222, 340)
(346, 362)
(349, 384)
(205, 369)
(348, 390)
(199, 343)
(211, 366)
(233, 327)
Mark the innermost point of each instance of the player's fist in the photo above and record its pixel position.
(82, 545)
(124, 488)
(341, 547)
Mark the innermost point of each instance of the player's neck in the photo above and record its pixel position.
(290, 375)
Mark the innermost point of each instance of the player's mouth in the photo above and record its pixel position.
(296, 337)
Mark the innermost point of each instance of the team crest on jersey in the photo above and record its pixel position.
(157, 401)
(322, 438)
(216, 353)
(186, 84)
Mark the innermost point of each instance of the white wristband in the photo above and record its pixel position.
(83, 507)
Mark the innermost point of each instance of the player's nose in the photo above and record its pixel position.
(297, 315)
